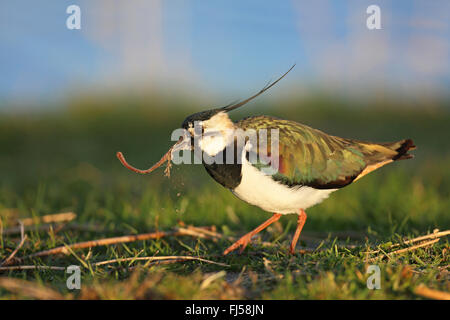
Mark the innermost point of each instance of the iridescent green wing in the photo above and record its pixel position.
(311, 157)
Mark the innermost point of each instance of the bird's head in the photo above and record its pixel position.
(210, 130)
(213, 128)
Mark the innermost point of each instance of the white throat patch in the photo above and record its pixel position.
(218, 132)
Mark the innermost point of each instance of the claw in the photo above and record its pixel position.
(242, 242)
(245, 240)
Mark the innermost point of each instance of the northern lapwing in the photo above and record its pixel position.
(311, 163)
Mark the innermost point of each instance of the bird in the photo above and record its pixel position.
(311, 164)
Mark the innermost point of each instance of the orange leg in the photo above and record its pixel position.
(300, 223)
(245, 240)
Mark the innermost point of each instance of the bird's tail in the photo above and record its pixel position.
(380, 154)
(401, 148)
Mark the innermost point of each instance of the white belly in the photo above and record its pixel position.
(260, 190)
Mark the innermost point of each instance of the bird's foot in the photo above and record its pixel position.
(242, 242)
(245, 240)
(292, 249)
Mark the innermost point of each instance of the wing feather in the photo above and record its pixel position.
(311, 157)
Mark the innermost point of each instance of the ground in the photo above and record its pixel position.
(65, 162)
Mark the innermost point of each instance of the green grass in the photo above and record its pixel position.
(66, 161)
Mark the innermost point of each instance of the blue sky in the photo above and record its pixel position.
(222, 47)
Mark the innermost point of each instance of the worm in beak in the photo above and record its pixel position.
(180, 145)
